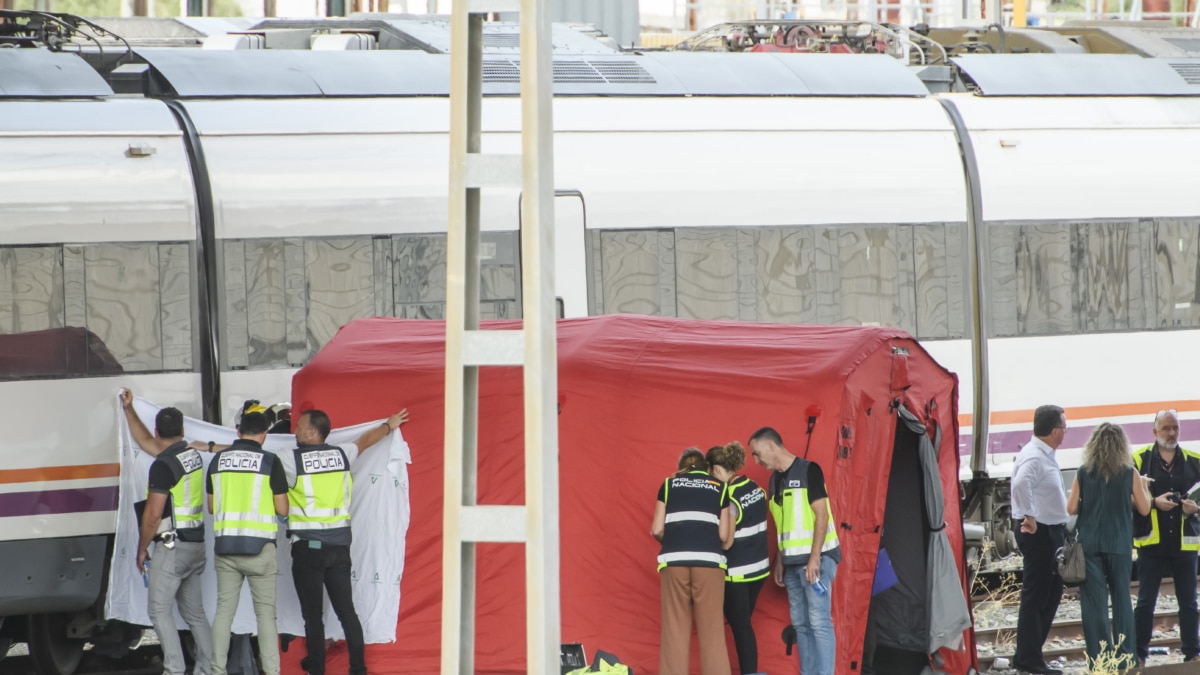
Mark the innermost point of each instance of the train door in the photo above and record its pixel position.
(571, 270)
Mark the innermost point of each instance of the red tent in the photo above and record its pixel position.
(633, 392)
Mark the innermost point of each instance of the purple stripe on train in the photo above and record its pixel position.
(1140, 434)
(55, 502)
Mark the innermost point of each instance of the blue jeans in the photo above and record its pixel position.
(811, 618)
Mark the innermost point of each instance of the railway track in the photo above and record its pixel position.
(987, 638)
(1073, 653)
(23, 665)
(1166, 588)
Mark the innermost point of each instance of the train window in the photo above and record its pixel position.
(706, 269)
(1109, 275)
(420, 276)
(940, 280)
(784, 284)
(1031, 279)
(285, 298)
(1093, 276)
(875, 273)
(637, 272)
(879, 275)
(1176, 260)
(96, 309)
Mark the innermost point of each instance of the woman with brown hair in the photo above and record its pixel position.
(692, 521)
(1103, 489)
(748, 559)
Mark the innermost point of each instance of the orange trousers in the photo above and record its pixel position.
(687, 591)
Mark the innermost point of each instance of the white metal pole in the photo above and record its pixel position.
(541, 349)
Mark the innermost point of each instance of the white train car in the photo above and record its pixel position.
(201, 235)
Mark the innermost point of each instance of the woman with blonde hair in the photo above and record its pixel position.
(1104, 486)
(748, 560)
(693, 522)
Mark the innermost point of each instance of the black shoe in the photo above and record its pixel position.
(1193, 657)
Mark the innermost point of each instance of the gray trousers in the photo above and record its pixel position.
(175, 580)
(262, 571)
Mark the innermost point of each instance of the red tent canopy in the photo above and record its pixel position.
(633, 393)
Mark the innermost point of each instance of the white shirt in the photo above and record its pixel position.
(1037, 487)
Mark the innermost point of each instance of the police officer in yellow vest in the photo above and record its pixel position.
(808, 547)
(172, 518)
(247, 492)
(1168, 539)
(319, 526)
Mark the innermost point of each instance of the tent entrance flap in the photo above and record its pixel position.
(925, 610)
(899, 615)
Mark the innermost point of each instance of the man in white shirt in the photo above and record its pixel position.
(1039, 507)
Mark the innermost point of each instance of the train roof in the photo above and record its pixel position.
(299, 73)
(38, 73)
(405, 57)
(1079, 75)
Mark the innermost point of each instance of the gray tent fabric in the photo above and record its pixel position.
(948, 613)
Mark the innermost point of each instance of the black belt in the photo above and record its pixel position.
(1017, 524)
(314, 543)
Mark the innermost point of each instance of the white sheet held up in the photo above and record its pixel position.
(379, 513)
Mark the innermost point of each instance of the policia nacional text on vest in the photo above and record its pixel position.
(692, 528)
(748, 558)
(183, 514)
(794, 517)
(243, 504)
(319, 502)
(1146, 530)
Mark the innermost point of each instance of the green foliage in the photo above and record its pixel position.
(1109, 661)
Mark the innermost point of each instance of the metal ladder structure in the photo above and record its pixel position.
(468, 348)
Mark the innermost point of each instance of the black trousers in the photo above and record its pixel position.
(1041, 591)
(316, 570)
(1151, 570)
(739, 607)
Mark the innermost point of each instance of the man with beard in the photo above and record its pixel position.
(1168, 539)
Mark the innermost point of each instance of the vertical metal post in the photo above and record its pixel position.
(541, 348)
(462, 314)
(534, 346)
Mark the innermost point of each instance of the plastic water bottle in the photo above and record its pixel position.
(146, 579)
(818, 587)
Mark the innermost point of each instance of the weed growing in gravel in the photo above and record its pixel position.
(1109, 661)
(1006, 594)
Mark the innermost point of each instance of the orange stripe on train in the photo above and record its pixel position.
(53, 473)
(1086, 412)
